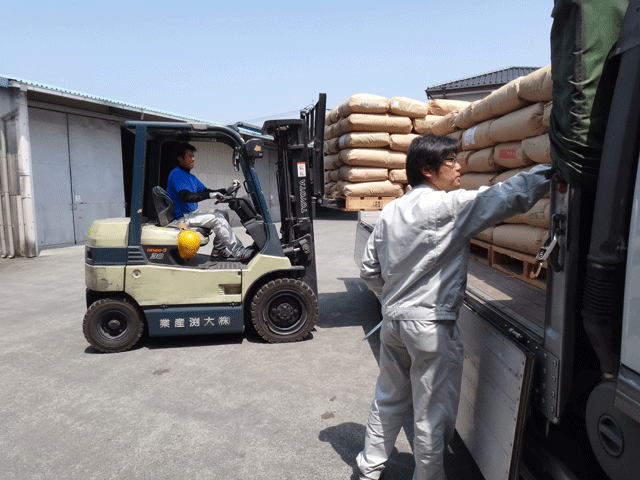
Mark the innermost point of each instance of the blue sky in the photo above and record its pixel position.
(245, 61)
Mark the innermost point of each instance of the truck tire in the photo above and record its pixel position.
(284, 310)
(614, 437)
(112, 325)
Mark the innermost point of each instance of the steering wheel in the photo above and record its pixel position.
(230, 192)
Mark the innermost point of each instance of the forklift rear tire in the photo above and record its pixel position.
(112, 325)
(284, 310)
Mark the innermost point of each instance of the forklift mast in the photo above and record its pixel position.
(300, 177)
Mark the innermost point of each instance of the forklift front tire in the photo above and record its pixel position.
(112, 325)
(284, 310)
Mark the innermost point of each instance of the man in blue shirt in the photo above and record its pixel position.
(186, 191)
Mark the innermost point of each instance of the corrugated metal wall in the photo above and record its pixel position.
(77, 174)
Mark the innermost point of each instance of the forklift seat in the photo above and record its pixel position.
(163, 205)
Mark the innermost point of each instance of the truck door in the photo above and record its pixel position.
(494, 399)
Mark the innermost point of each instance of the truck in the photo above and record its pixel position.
(551, 378)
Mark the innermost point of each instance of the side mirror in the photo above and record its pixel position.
(254, 147)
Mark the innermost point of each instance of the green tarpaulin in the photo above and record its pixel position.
(582, 36)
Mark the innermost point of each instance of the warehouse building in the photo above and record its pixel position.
(67, 160)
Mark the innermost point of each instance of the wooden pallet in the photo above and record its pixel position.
(516, 264)
(481, 251)
(355, 204)
(520, 265)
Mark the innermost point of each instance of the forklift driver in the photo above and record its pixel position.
(186, 191)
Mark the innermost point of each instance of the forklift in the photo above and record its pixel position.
(137, 280)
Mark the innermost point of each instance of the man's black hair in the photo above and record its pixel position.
(428, 151)
(182, 148)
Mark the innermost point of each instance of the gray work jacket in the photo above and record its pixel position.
(416, 258)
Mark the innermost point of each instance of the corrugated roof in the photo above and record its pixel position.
(490, 79)
(6, 81)
(85, 96)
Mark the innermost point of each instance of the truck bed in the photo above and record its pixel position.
(520, 301)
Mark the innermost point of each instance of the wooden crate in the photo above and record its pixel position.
(519, 265)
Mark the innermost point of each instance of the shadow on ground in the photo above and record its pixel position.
(347, 439)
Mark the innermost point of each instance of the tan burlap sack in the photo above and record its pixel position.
(333, 131)
(537, 86)
(360, 122)
(538, 216)
(477, 137)
(328, 133)
(510, 173)
(510, 155)
(362, 174)
(332, 117)
(398, 175)
(523, 123)
(486, 235)
(521, 238)
(327, 176)
(538, 149)
(500, 102)
(334, 175)
(328, 188)
(331, 162)
(546, 117)
(363, 140)
(400, 142)
(373, 157)
(336, 191)
(372, 189)
(444, 125)
(363, 103)
(473, 181)
(423, 124)
(462, 159)
(443, 106)
(481, 161)
(331, 146)
(408, 107)
(457, 135)
(464, 117)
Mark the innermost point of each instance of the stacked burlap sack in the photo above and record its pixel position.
(501, 135)
(366, 140)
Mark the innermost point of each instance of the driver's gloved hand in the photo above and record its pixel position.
(215, 193)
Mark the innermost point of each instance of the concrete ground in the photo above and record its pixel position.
(208, 407)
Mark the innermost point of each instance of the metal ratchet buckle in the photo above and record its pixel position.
(545, 253)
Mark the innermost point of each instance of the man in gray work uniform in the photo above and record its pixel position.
(416, 262)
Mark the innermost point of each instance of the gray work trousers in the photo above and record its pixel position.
(420, 364)
(214, 220)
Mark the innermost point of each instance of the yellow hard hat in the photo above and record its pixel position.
(188, 243)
